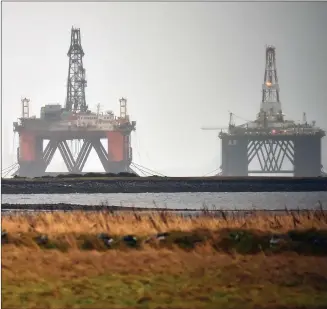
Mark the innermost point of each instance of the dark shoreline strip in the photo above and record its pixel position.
(163, 185)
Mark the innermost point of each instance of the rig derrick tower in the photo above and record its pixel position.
(271, 138)
(76, 83)
(73, 122)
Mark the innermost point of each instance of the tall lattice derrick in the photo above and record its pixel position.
(270, 104)
(76, 82)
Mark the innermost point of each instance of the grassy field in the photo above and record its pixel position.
(210, 261)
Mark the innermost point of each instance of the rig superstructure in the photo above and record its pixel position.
(73, 122)
(270, 137)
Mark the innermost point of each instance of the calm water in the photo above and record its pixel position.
(228, 200)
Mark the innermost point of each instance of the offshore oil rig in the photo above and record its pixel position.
(271, 138)
(73, 122)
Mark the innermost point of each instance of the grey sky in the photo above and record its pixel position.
(180, 65)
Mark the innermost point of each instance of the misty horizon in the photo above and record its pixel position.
(181, 66)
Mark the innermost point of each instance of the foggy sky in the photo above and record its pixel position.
(180, 65)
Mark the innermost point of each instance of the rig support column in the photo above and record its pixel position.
(30, 155)
(119, 158)
(234, 156)
(307, 156)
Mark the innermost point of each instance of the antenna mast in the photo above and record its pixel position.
(231, 120)
(123, 108)
(25, 108)
(98, 109)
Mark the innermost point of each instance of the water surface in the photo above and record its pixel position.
(228, 200)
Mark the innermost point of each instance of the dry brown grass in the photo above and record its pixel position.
(160, 278)
(141, 223)
(32, 264)
(33, 277)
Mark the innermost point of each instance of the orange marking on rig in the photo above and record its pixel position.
(27, 146)
(115, 146)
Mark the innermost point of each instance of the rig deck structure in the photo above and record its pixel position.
(74, 122)
(270, 137)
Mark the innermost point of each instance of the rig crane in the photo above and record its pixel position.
(231, 125)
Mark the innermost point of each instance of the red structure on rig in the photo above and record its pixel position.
(73, 122)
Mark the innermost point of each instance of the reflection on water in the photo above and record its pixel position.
(228, 200)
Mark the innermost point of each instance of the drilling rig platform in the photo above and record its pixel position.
(74, 122)
(271, 138)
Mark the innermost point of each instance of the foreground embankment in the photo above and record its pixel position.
(162, 184)
(8, 208)
(162, 260)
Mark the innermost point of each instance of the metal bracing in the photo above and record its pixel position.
(76, 166)
(67, 156)
(83, 155)
(49, 151)
(102, 154)
(271, 154)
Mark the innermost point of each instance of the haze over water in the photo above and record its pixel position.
(229, 200)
